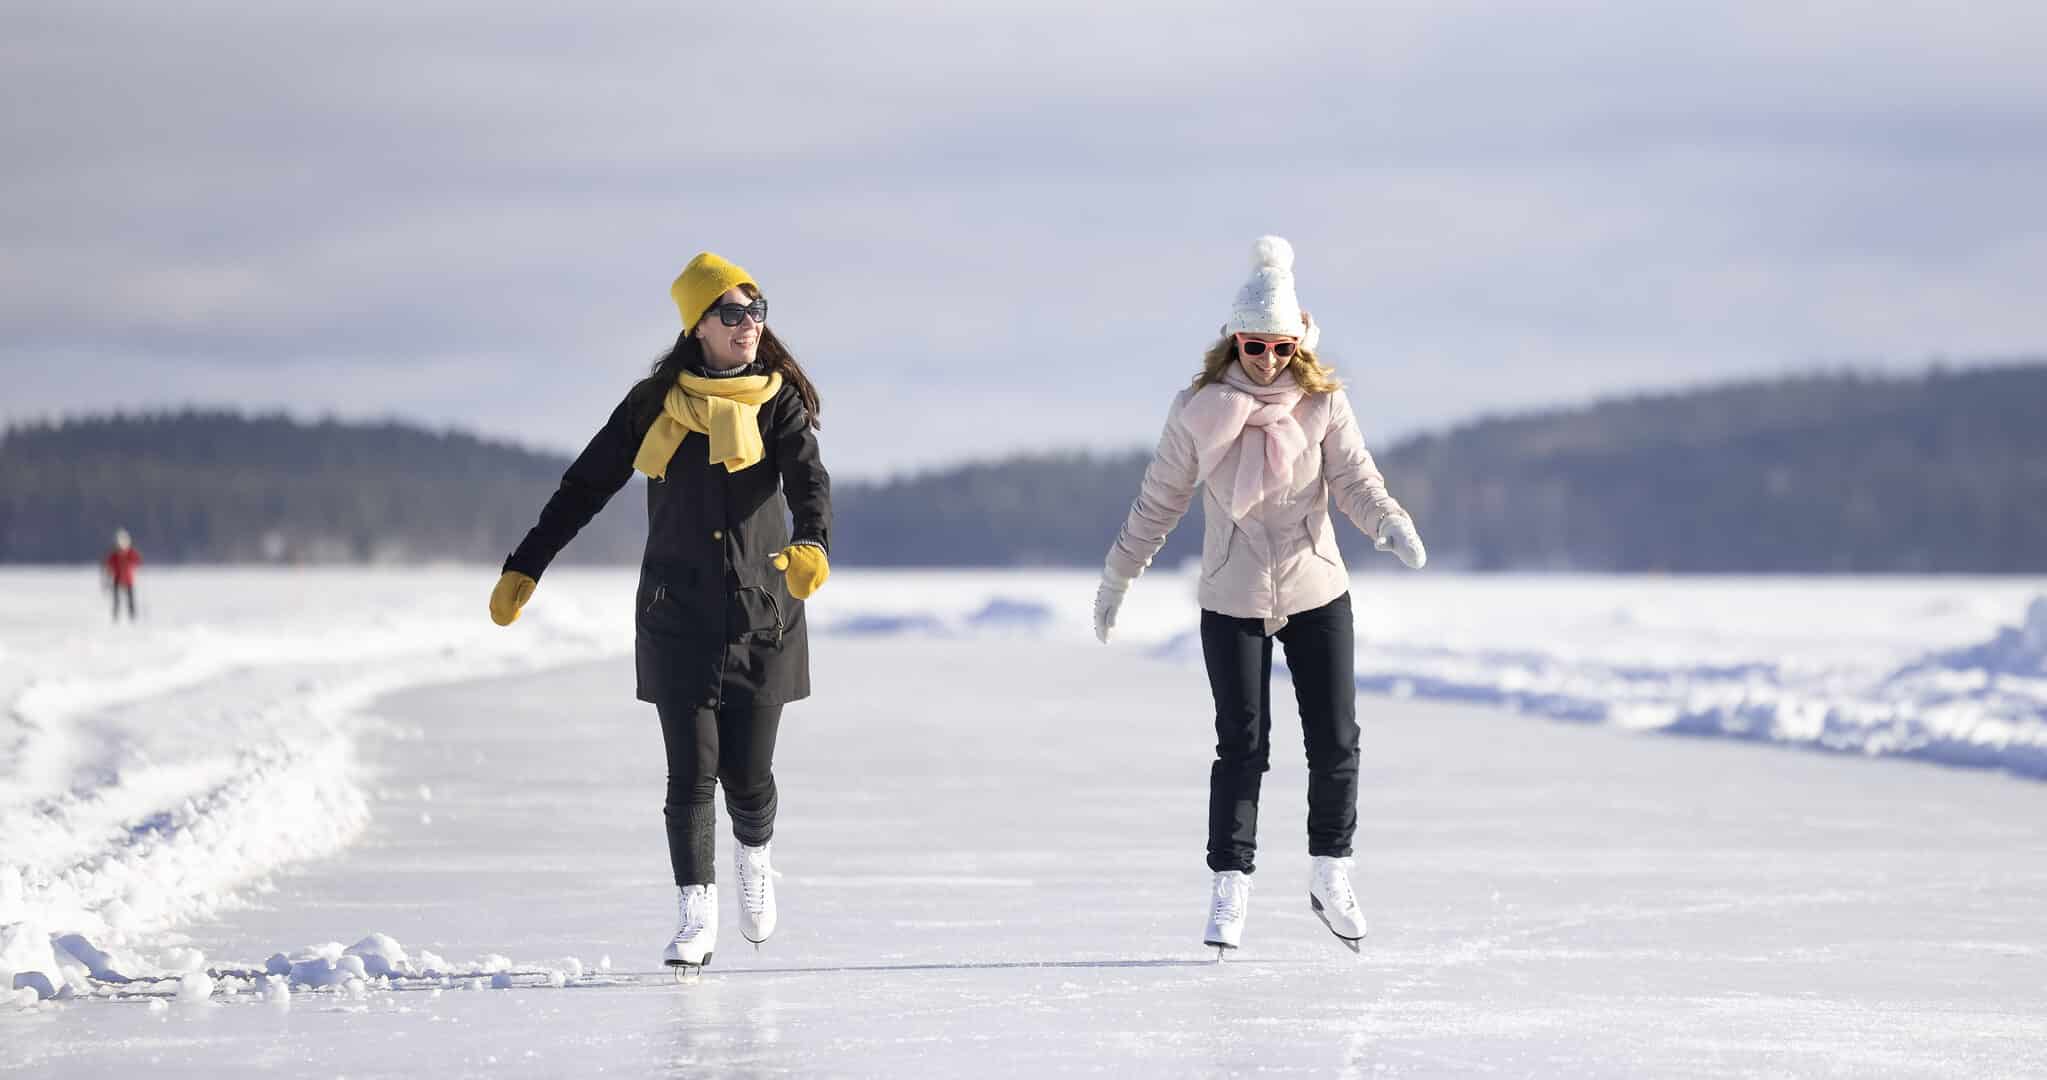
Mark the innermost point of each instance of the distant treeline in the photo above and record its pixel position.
(1945, 472)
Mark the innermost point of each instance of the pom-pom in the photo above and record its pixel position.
(1272, 251)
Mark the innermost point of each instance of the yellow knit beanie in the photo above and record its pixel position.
(702, 282)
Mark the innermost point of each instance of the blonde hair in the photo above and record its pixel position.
(1308, 371)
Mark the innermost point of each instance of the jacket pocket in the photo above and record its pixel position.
(668, 613)
(659, 612)
(1217, 534)
(1322, 540)
(759, 617)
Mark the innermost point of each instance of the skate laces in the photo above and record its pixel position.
(1333, 875)
(690, 913)
(1229, 898)
(755, 872)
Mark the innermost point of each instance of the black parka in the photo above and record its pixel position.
(715, 623)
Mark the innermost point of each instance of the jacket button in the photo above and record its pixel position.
(711, 704)
(717, 534)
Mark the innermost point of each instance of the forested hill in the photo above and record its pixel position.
(1942, 473)
(1945, 472)
(220, 487)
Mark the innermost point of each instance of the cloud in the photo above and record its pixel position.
(1018, 223)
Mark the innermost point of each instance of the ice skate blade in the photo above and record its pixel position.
(1221, 949)
(687, 972)
(1350, 943)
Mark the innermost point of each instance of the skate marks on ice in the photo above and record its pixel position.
(972, 965)
(145, 988)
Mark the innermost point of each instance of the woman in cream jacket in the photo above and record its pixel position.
(1268, 438)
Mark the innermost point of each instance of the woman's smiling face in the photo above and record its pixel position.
(1265, 367)
(727, 347)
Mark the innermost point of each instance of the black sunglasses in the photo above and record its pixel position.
(733, 314)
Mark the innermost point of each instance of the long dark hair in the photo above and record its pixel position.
(772, 356)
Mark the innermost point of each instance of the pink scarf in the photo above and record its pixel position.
(1221, 414)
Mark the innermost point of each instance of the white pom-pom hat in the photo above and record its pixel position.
(1267, 304)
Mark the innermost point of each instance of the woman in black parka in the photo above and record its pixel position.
(724, 428)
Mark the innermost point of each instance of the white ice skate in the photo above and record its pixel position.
(756, 893)
(696, 930)
(1229, 905)
(1329, 894)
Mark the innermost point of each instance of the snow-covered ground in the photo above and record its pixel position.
(992, 831)
(150, 773)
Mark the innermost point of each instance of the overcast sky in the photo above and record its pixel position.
(990, 227)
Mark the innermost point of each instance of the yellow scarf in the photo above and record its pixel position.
(727, 410)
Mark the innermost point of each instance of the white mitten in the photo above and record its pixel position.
(1108, 598)
(1397, 535)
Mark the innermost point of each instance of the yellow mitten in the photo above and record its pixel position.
(806, 568)
(513, 590)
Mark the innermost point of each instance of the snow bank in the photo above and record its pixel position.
(150, 772)
(377, 963)
(1911, 668)
(999, 614)
(1982, 705)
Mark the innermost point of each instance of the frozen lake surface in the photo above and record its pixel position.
(991, 839)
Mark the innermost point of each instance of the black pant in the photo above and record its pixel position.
(1319, 652)
(707, 746)
(120, 591)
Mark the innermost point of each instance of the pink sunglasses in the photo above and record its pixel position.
(1253, 347)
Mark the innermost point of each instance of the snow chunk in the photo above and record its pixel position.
(382, 955)
(102, 965)
(29, 961)
(195, 987)
(2019, 650)
(326, 965)
(38, 983)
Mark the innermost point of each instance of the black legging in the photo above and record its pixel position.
(1319, 651)
(735, 746)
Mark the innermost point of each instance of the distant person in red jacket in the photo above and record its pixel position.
(119, 567)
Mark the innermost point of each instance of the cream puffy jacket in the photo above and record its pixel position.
(1281, 559)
